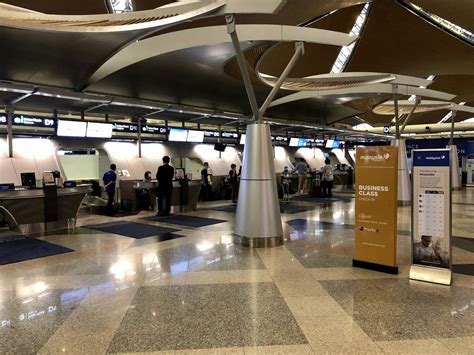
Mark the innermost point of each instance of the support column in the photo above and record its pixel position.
(404, 183)
(139, 137)
(258, 220)
(10, 131)
(456, 183)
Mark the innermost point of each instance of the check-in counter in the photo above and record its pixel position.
(343, 178)
(47, 209)
(184, 196)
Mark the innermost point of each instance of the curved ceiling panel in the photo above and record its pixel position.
(317, 59)
(62, 7)
(127, 21)
(397, 41)
(196, 37)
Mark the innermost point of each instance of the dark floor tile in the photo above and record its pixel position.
(186, 221)
(464, 243)
(132, 229)
(17, 250)
(466, 269)
(155, 239)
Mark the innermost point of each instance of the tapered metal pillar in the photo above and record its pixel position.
(258, 220)
(404, 184)
(456, 182)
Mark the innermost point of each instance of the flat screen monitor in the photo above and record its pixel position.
(321, 143)
(294, 142)
(178, 135)
(242, 139)
(195, 136)
(330, 143)
(304, 142)
(28, 179)
(99, 130)
(220, 147)
(71, 128)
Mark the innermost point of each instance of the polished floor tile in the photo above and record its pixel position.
(195, 292)
(206, 316)
(398, 309)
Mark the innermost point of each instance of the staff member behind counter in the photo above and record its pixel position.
(109, 179)
(164, 176)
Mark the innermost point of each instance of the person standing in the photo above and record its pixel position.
(301, 168)
(164, 176)
(110, 179)
(234, 182)
(205, 183)
(327, 178)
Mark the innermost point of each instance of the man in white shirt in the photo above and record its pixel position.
(423, 251)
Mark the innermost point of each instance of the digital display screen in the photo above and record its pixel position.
(178, 135)
(125, 127)
(231, 135)
(154, 129)
(99, 130)
(330, 143)
(242, 139)
(71, 128)
(195, 136)
(305, 142)
(211, 134)
(320, 143)
(281, 139)
(26, 120)
(294, 142)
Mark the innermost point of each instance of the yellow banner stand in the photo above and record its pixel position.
(376, 209)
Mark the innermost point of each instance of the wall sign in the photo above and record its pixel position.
(125, 128)
(30, 121)
(376, 208)
(230, 135)
(431, 216)
(154, 129)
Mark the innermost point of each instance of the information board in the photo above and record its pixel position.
(376, 208)
(71, 128)
(431, 215)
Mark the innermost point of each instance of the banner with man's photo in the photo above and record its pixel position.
(431, 229)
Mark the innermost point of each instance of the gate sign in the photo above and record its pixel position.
(431, 213)
(376, 208)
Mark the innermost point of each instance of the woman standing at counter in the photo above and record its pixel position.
(327, 178)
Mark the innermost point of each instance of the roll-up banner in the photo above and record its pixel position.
(431, 216)
(376, 208)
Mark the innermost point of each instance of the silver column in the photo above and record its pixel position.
(258, 220)
(404, 184)
(456, 183)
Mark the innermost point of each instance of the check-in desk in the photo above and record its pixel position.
(343, 178)
(184, 196)
(45, 209)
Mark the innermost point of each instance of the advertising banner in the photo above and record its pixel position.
(431, 216)
(376, 208)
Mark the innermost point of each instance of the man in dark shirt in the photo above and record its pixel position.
(110, 178)
(205, 186)
(234, 182)
(165, 177)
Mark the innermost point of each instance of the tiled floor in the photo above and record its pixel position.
(193, 291)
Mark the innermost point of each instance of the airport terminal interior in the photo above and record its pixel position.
(237, 177)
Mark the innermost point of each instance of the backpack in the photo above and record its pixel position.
(327, 174)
